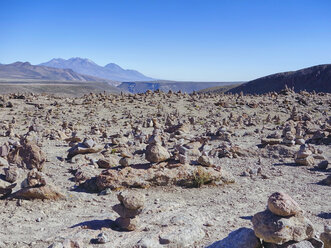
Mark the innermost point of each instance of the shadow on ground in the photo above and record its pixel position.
(97, 224)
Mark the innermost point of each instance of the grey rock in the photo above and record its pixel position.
(102, 238)
(89, 143)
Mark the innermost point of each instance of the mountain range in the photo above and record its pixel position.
(24, 70)
(86, 66)
(315, 78)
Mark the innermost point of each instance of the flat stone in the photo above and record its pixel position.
(82, 149)
(45, 192)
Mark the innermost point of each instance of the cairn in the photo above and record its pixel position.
(304, 156)
(283, 223)
(131, 205)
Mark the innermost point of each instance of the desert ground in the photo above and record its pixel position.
(201, 164)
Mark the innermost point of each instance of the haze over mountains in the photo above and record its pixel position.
(165, 86)
(86, 66)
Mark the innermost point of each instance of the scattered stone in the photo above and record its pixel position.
(205, 161)
(11, 174)
(107, 162)
(102, 238)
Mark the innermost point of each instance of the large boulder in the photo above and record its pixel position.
(278, 230)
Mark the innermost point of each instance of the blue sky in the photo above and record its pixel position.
(198, 40)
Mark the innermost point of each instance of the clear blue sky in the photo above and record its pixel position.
(220, 40)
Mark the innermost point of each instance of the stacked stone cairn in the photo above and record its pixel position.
(131, 205)
(304, 156)
(283, 225)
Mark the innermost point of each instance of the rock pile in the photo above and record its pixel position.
(282, 223)
(131, 205)
(35, 187)
(304, 156)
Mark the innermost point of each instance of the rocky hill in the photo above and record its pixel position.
(218, 89)
(86, 66)
(316, 78)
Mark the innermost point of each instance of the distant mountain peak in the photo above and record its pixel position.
(86, 66)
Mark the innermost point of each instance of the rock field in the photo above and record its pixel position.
(166, 170)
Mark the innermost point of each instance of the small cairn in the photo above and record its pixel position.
(131, 205)
(289, 135)
(304, 156)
